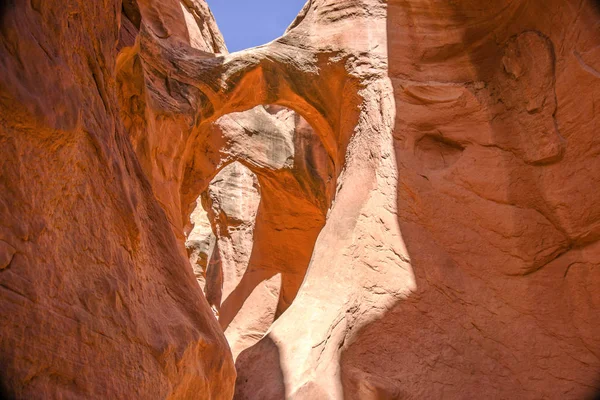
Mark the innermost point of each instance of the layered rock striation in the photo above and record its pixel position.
(428, 206)
(96, 301)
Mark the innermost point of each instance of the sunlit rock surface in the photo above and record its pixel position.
(429, 205)
(96, 301)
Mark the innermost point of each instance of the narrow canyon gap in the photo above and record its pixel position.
(247, 24)
(438, 162)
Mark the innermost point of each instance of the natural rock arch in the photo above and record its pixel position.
(341, 87)
(118, 314)
(295, 175)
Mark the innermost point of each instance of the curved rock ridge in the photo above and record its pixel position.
(260, 245)
(220, 246)
(95, 299)
(459, 215)
(430, 198)
(231, 203)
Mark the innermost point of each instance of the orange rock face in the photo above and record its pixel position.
(445, 264)
(421, 216)
(95, 299)
(265, 227)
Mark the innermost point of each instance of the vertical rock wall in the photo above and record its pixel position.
(459, 255)
(260, 246)
(450, 201)
(95, 300)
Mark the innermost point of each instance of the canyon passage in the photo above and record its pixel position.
(393, 200)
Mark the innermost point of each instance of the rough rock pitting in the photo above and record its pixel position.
(441, 214)
(96, 300)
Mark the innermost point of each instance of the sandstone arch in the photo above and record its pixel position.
(374, 78)
(296, 177)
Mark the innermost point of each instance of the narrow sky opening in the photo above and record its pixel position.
(250, 23)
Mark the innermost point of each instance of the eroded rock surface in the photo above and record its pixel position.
(225, 212)
(95, 299)
(446, 185)
(221, 254)
(261, 250)
(446, 260)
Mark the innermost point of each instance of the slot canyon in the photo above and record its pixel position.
(396, 199)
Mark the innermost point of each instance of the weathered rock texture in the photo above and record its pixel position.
(225, 212)
(454, 174)
(465, 256)
(95, 299)
(221, 254)
(262, 250)
(459, 257)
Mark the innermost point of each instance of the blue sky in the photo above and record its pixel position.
(249, 23)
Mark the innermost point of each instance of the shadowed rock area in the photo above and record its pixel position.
(394, 200)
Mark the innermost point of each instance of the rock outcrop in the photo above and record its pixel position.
(429, 206)
(466, 253)
(222, 254)
(96, 301)
(261, 250)
(223, 226)
(459, 226)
